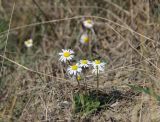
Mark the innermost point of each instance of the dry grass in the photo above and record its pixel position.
(33, 84)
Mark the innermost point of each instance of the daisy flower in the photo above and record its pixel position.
(98, 66)
(84, 63)
(84, 39)
(28, 43)
(66, 55)
(88, 23)
(74, 69)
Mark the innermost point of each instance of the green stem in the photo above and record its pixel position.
(85, 84)
(97, 80)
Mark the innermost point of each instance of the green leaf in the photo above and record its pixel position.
(146, 90)
(3, 25)
(140, 89)
(85, 103)
(82, 99)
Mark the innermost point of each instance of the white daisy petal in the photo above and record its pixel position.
(60, 53)
(71, 51)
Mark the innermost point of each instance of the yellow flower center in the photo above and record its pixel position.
(86, 39)
(97, 62)
(84, 61)
(28, 43)
(89, 21)
(74, 67)
(66, 54)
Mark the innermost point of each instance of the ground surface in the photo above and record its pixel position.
(33, 83)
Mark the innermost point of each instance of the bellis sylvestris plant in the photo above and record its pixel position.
(88, 24)
(74, 69)
(98, 66)
(84, 63)
(66, 55)
(28, 43)
(80, 68)
(84, 39)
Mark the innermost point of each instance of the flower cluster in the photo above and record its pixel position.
(67, 55)
(76, 69)
(87, 24)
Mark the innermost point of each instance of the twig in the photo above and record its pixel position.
(28, 69)
(78, 17)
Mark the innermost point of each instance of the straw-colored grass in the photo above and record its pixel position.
(33, 83)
